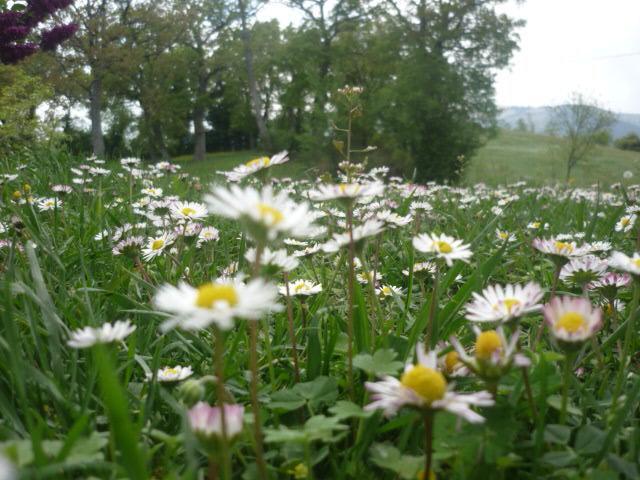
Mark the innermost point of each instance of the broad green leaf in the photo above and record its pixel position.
(559, 459)
(558, 434)
(345, 409)
(382, 362)
(389, 457)
(589, 440)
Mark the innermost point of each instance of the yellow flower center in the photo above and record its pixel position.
(625, 221)
(503, 235)
(535, 225)
(262, 161)
(636, 262)
(422, 476)
(188, 211)
(300, 471)
(211, 293)
(426, 382)
(487, 344)
(451, 359)
(299, 287)
(157, 244)
(444, 247)
(17, 194)
(564, 247)
(170, 371)
(511, 303)
(269, 213)
(571, 322)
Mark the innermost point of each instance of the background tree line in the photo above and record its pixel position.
(171, 77)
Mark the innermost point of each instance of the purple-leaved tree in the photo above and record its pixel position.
(20, 28)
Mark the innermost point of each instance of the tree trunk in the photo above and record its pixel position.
(95, 114)
(254, 95)
(199, 132)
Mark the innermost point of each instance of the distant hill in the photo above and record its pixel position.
(538, 118)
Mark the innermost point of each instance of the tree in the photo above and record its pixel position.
(20, 94)
(22, 19)
(631, 141)
(207, 20)
(440, 97)
(246, 11)
(581, 122)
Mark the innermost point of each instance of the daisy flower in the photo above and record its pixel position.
(626, 223)
(393, 219)
(188, 210)
(572, 319)
(493, 355)
(306, 251)
(594, 247)
(129, 247)
(443, 246)
(450, 364)
(301, 287)
(368, 229)
(152, 192)
(388, 291)
(279, 259)
(107, 333)
(172, 374)
(207, 234)
(424, 387)
(255, 165)
(422, 267)
(45, 204)
(620, 261)
(63, 189)
(265, 214)
(502, 304)
(504, 236)
(559, 250)
(206, 421)
(368, 277)
(346, 191)
(582, 270)
(157, 245)
(611, 282)
(218, 302)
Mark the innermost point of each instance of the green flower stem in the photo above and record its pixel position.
(566, 378)
(628, 340)
(554, 288)
(253, 367)
(220, 393)
(351, 281)
(412, 253)
(428, 339)
(292, 333)
(428, 442)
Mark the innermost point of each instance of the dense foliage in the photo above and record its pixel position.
(167, 78)
(84, 244)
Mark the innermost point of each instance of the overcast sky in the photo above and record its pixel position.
(586, 46)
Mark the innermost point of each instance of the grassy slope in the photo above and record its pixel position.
(227, 160)
(510, 157)
(514, 156)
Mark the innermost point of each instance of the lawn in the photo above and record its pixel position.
(508, 158)
(513, 156)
